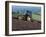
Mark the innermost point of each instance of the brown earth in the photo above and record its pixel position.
(25, 25)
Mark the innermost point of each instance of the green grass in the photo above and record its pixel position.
(36, 17)
(16, 14)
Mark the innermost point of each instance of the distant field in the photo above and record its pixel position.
(36, 17)
(14, 14)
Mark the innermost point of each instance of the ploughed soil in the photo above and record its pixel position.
(25, 25)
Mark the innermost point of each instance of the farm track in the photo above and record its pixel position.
(24, 25)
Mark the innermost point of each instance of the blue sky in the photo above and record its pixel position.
(24, 8)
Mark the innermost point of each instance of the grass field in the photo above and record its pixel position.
(36, 17)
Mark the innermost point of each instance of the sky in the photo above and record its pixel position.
(24, 8)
